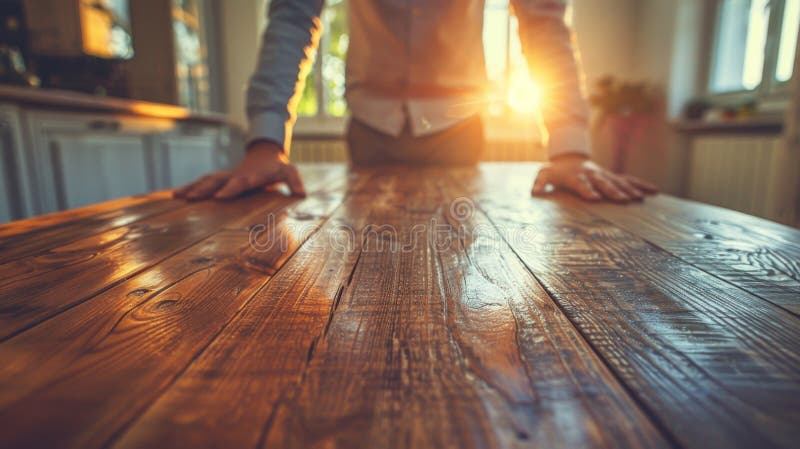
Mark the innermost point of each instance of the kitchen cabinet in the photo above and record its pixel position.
(61, 150)
(15, 194)
(86, 170)
(192, 150)
(83, 159)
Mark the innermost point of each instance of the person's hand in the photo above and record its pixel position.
(589, 181)
(263, 165)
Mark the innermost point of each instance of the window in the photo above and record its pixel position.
(755, 45)
(324, 92)
(788, 41)
(510, 86)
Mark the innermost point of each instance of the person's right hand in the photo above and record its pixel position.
(264, 164)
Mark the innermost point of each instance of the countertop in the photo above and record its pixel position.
(77, 101)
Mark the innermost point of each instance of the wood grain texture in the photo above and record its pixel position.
(130, 354)
(365, 346)
(227, 396)
(747, 254)
(35, 288)
(59, 218)
(400, 307)
(389, 326)
(140, 334)
(75, 223)
(498, 312)
(716, 366)
(40, 239)
(455, 344)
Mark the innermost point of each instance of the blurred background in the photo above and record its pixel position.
(107, 98)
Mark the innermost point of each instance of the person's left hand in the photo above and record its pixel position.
(589, 181)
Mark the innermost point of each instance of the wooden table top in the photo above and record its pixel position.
(400, 307)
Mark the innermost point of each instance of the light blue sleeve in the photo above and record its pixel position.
(286, 56)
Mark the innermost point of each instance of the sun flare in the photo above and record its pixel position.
(524, 95)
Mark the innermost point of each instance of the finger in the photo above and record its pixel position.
(642, 185)
(294, 181)
(581, 186)
(238, 185)
(626, 186)
(204, 188)
(607, 187)
(185, 189)
(245, 183)
(182, 191)
(540, 184)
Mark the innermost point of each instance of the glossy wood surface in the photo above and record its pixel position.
(400, 307)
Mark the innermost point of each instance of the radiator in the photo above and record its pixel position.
(322, 150)
(335, 150)
(755, 174)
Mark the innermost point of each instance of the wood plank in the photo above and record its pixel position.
(59, 218)
(576, 401)
(42, 238)
(36, 288)
(88, 372)
(26, 237)
(363, 346)
(226, 396)
(698, 213)
(468, 364)
(384, 372)
(716, 366)
(736, 251)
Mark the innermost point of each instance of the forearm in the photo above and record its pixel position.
(549, 46)
(285, 58)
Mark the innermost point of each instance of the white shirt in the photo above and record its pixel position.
(418, 62)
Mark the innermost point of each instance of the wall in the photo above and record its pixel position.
(240, 31)
(605, 31)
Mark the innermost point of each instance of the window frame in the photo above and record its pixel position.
(770, 91)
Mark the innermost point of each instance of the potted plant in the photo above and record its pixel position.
(625, 110)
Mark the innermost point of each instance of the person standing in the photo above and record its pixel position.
(414, 84)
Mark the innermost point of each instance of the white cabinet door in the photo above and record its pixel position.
(192, 152)
(94, 168)
(15, 192)
(187, 158)
(84, 159)
(9, 203)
